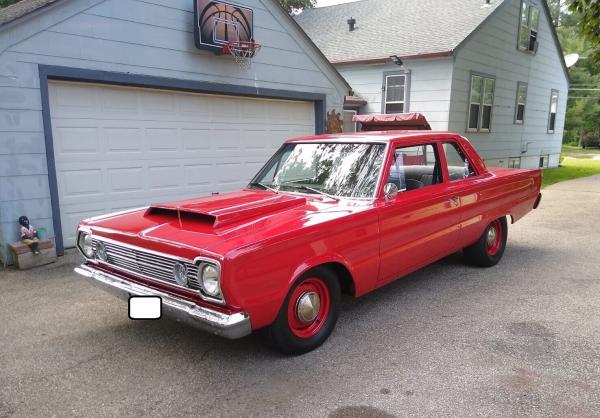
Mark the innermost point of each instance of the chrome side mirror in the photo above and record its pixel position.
(390, 191)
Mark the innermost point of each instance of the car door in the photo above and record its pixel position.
(421, 224)
(465, 185)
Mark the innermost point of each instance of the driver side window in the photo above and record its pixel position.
(415, 167)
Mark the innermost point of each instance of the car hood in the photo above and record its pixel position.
(221, 223)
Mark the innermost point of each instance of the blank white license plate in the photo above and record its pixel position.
(145, 307)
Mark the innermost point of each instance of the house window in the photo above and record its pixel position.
(553, 110)
(395, 93)
(544, 161)
(481, 103)
(528, 28)
(521, 101)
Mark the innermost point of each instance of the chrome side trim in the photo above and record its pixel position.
(230, 326)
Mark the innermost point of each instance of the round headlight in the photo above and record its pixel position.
(101, 252)
(85, 245)
(180, 274)
(210, 280)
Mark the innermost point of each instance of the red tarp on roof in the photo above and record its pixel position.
(390, 122)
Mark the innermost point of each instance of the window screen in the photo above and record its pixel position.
(481, 102)
(553, 111)
(395, 93)
(521, 101)
(528, 28)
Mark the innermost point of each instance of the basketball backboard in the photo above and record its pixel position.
(219, 22)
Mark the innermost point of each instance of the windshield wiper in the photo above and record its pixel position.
(303, 187)
(265, 187)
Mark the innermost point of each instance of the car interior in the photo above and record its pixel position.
(415, 167)
(418, 166)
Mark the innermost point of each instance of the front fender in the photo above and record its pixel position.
(319, 261)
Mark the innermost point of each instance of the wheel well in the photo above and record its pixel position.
(346, 281)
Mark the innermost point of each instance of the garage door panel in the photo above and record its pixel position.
(228, 173)
(76, 140)
(196, 139)
(118, 147)
(164, 177)
(80, 183)
(198, 174)
(119, 103)
(126, 139)
(162, 140)
(129, 179)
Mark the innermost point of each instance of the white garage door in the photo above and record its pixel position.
(117, 147)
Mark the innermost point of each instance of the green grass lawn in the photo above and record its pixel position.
(576, 152)
(571, 168)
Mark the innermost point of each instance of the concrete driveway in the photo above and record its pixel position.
(522, 338)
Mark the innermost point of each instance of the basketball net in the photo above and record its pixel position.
(243, 52)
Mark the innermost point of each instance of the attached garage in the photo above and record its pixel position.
(107, 105)
(121, 147)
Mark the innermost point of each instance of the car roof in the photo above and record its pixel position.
(375, 136)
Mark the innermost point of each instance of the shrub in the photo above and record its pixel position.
(570, 137)
(590, 139)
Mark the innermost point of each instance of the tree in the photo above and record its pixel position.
(292, 5)
(589, 13)
(583, 107)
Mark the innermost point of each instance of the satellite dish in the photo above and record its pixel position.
(571, 59)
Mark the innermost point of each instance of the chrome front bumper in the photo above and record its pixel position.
(231, 326)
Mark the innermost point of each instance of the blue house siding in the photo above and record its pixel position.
(493, 50)
(137, 38)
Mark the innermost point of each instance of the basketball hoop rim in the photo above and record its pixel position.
(241, 45)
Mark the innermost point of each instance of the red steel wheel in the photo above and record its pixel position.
(489, 248)
(308, 314)
(308, 307)
(493, 237)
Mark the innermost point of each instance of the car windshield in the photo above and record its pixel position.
(332, 169)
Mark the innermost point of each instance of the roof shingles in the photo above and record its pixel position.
(17, 10)
(393, 27)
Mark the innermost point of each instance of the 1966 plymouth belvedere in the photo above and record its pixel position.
(326, 215)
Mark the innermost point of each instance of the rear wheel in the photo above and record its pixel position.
(308, 314)
(488, 250)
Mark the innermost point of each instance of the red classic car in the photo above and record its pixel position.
(326, 215)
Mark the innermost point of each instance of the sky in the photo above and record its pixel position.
(321, 3)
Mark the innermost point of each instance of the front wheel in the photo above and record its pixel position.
(308, 314)
(488, 250)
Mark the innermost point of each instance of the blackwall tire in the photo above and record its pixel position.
(489, 249)
(301, 326)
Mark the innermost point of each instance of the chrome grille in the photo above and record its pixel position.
(147, 264)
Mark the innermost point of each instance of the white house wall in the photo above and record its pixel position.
(430, 84)
(493, 50)
(150, 37)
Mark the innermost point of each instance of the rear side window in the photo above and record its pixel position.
(415, 167)
(459, 166)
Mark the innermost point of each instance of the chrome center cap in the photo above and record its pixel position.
(308, 307)
(491, 237)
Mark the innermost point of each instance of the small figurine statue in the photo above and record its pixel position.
(29, 235)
